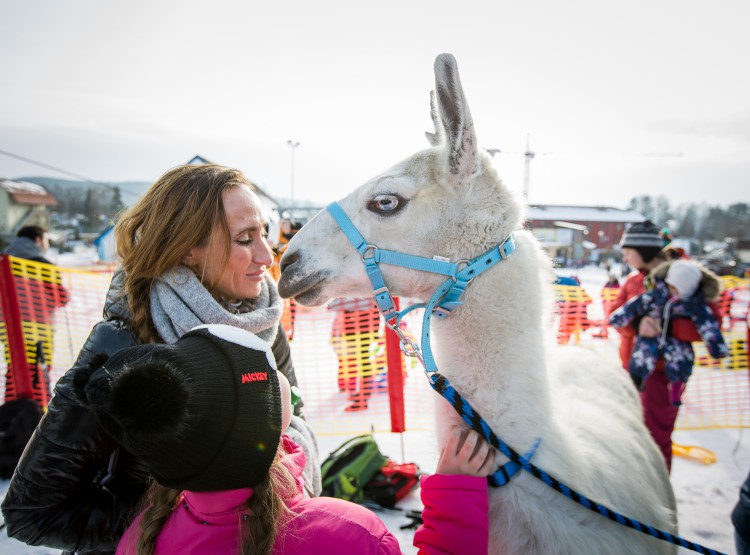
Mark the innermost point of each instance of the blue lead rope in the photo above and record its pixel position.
(441, 384)
(442, 302)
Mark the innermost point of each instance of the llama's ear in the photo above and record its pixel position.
(437, 137)
(461, 141)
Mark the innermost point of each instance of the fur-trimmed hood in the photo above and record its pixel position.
(710, 285)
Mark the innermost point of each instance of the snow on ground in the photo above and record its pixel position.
(705, 494)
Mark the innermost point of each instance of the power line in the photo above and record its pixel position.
(66, 172)
(43, 165)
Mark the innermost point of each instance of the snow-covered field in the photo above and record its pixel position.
(705, 493)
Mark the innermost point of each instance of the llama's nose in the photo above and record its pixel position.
(288, 260)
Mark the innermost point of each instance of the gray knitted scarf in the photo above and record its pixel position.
(179, 302)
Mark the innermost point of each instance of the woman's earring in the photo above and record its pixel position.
(182, 276)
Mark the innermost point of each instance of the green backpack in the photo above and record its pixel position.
(347, 470)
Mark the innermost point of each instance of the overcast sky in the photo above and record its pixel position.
(609, 92)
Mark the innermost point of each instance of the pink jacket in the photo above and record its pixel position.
(455, 521)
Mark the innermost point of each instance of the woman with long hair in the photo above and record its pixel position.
(192, 251)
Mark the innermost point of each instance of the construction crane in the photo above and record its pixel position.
(528, 156)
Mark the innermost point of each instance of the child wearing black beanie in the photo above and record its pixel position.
(207, 416)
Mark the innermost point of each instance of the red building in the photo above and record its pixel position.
(574, 233)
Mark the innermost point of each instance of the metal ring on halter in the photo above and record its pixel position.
(369, 248)
(409, 347)
(501, 247)
(395, 325)
(402, 338)
(459, 269)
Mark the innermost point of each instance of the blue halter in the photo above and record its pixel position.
(443, 301)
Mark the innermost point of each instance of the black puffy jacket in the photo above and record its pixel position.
(74, 489)
(741, 512)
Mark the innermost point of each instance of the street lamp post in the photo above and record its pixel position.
(293, 145)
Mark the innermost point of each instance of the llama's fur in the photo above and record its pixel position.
(495, 348)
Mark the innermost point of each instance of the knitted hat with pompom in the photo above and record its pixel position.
(203, 413)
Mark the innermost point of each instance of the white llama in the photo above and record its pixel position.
(448, 201)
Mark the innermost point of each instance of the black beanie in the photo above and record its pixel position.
(645, 238)
(203, 413)
(642, 234)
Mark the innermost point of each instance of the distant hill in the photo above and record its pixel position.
(129, 190)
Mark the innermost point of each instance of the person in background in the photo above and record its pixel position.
(287, 230)
(192, 251)
(31, 243)
(40, 294)
(669, 250)
(666, 236)
(572, 305)
(354, 330)
(677, 289)
(608, 294)
(227, 479)
(741, 511)
(641, 247)
(612, 282)
(741, 519)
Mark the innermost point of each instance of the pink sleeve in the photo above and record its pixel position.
(455, 515)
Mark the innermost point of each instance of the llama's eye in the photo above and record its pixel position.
(386, 205)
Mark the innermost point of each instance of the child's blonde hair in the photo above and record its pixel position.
(257, 527)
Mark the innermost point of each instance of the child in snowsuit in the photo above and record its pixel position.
(207, 415)
(679, 289)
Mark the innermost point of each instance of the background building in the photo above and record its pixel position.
(579, 234)
(23, 203)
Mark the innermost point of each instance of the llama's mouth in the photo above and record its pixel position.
(306, 290)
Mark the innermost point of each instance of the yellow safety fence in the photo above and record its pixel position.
(718, 393)
(47, 315)
(342, 371)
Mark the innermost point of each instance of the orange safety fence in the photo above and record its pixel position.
(352, 374)
(47, 314)
(733, 300)
(347, 374)
(718, 392)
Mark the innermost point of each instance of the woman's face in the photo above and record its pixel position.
(249, 254)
